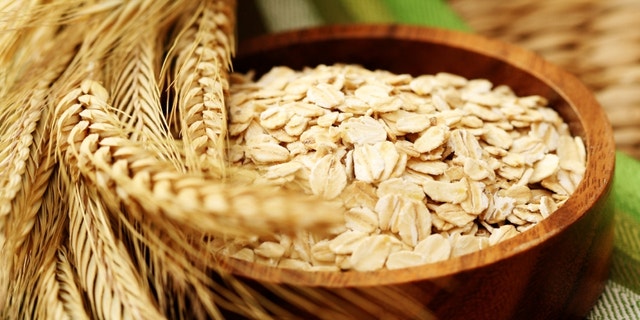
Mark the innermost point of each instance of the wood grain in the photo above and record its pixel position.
(555, 270)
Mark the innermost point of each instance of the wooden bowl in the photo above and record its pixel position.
(555, 270)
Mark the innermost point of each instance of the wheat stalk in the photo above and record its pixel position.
(178, 268)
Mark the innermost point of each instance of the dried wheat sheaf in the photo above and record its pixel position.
(113, 179)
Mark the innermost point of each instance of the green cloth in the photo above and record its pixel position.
(626, 266)
(621, 298)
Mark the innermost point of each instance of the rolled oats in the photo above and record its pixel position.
(431, 138)
(328, 177)
(427, 168)
(432, 168)
(372, 253)
(411, 122)
(454, 214)
(404, 259)
(270, 249)
(443, 191)
(465, 244)
(502, 233)
(434, 248)
(325, 95)
(401, 187)
(346, 242)
(361, 219)
(296, 264)
(413, 223)
(376, 162)
(362, 130)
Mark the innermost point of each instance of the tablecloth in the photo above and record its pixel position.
(621, 297)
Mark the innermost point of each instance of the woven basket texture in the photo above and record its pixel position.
(597, 40)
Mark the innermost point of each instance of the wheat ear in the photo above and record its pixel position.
(33, 286)
(52, 224)
(203, 57)
(131, 72)
(98, 146)
(70, 295)
(178, 265)
(29, 158)
(113, 286)
(33, 158)
(20, 133)
(17, 141)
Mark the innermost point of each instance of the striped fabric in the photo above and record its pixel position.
(621, 298)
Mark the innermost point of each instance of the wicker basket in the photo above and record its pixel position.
(597, 40)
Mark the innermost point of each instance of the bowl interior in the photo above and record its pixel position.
(419, 50)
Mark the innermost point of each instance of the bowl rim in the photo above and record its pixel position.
(590, 115)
